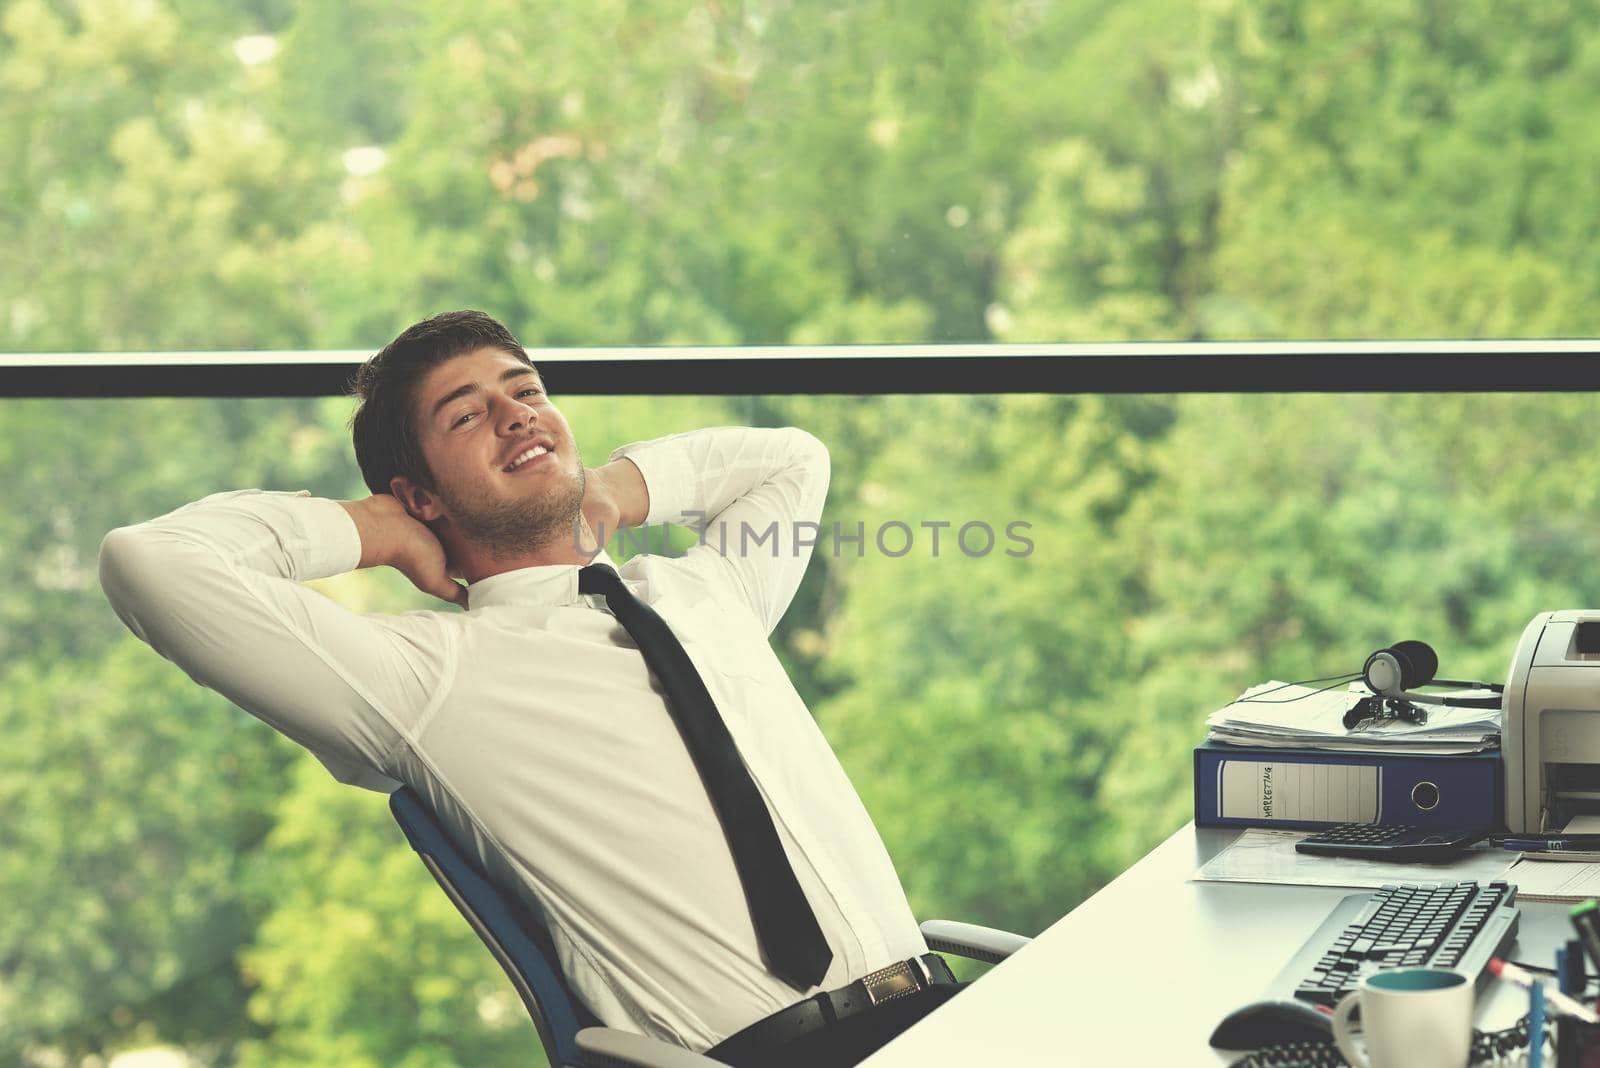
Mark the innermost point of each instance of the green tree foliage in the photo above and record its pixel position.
(136, 796)
(1416, 171)
(108, 463)
(973, 721)
(367, 965)
(131, 812)
(193, 174)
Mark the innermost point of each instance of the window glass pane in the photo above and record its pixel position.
(207, 175)
(1017, 615)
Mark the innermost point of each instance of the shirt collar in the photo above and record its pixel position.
(547, 584)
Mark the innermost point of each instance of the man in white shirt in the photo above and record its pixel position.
(531, 722)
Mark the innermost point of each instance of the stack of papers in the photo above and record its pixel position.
(1301, 717)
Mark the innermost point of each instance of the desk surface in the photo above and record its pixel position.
(1142, 971)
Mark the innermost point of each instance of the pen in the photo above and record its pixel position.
(1536, 1024)
(1552, 845)
(1571, 1007)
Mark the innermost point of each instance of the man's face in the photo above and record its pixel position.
(477, 416)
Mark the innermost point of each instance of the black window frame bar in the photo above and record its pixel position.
(1144, 367)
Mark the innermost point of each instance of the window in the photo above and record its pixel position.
(1023, 604)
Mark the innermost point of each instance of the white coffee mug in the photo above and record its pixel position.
(1410, 1017)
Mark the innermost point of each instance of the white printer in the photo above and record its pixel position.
(1551, 737)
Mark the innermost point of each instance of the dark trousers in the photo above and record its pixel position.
(847, 1041)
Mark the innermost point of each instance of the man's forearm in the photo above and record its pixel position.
(373, 526)
(628, 491)
(755, 494)
(700, 473)
(391, 536)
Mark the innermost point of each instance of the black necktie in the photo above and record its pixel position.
(785, 926)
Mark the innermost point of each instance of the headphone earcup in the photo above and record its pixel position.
(1382, 671)
(1418, 663)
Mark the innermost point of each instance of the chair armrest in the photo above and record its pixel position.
(971, 941)
(607, 1047)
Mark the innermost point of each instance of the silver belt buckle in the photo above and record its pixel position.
(895, 981)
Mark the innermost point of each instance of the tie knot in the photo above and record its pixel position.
(599, 578)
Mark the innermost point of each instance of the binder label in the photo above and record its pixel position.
(1270, 790)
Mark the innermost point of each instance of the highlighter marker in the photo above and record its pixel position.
(1504, 969)
(1586, 920)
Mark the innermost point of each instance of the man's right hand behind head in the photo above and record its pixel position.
(392, 536)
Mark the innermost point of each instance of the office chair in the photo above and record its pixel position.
(573, 1037)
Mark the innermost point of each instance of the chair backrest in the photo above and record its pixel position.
(514, 934)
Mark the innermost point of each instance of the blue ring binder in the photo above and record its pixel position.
(1470, 788)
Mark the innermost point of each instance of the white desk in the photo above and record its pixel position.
(1142, 971)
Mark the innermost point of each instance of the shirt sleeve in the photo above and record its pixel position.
(216, 587)
(755, 496)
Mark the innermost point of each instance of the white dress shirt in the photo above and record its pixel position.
(532, 726)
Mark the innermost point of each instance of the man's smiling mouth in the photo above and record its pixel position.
(526, 457)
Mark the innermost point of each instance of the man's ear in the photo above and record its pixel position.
(419, 502)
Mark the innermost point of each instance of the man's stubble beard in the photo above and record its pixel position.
(511, 528)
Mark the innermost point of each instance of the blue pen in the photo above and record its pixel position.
(1535, 1025)
(1552, 845)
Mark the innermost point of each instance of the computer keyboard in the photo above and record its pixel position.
(1454, 925)
(1393, 842)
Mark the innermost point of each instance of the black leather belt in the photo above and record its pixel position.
(899, 980)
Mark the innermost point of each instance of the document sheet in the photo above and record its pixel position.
(1539, 880)
(1267, 856)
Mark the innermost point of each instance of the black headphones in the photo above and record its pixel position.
(1405, 666)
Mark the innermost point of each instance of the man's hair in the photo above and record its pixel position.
(383, 427)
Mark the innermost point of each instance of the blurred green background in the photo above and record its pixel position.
(183, 888)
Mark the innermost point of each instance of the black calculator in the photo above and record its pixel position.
(1390, 841)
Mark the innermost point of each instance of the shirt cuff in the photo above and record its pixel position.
(331, 545)
(668, 477)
